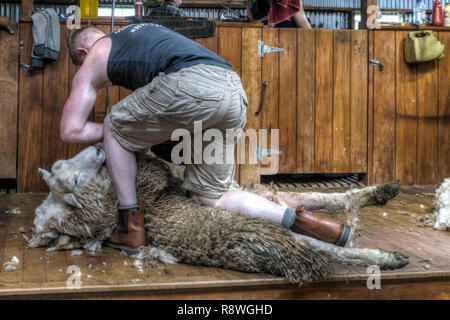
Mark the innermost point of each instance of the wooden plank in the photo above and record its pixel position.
(251, 81)
(305, 100)
(30, 120)
(55, 93)
(384, 108)
(444, 112)
(124, 92)
(358, 101)
(427, 124)
(9, 76)
(406, 122)
(341, 100)
(269, 113)
(370, 88)
(287, 105)
(230, 48)
(324, 102)
(26, 10)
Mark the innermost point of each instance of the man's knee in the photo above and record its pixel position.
(204, 201)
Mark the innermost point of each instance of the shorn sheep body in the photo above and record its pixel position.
(81, 211)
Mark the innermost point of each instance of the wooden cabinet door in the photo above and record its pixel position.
(317, 98)
(8, 102)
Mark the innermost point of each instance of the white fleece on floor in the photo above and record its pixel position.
(442, 203)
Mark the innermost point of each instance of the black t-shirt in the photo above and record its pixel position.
(139, 52)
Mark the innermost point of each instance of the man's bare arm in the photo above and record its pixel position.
(300, 19)
(75, 126)
(5, 23)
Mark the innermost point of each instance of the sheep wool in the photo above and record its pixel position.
(442, 203)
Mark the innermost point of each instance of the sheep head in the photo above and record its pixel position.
(77, 186)
(67, 176)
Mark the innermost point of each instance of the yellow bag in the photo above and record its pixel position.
(422, 46)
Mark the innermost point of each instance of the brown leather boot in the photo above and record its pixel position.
(320, 228)
(130, 234)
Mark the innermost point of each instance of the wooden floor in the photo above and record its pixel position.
(108, 274)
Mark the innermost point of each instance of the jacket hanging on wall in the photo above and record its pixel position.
(422, 46)
(46, 43)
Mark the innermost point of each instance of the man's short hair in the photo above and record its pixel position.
(76, 39)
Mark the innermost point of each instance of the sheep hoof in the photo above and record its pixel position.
(386, 192)
(396, 260)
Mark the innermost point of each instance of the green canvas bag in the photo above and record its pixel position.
(422, 46)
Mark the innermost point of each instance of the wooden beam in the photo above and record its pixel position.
(364, 5)
(26, 10)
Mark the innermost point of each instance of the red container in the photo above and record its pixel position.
(138, 7)
(438, 16)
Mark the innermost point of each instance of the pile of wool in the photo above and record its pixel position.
(442, 203)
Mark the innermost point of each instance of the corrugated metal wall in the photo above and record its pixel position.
(333, 3)
(318, 19)
(10, 10)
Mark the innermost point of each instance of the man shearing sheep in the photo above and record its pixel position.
(176, 82)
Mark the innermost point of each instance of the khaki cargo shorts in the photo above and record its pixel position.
(208, 95)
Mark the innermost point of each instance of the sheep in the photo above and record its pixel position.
(81, 211)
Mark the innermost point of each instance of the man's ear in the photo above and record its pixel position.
(44, 174)
(82, 53)
(70, 199)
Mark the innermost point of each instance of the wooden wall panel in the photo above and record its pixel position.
(358, 101)
(324, 102)
(230, 48)
(384, 108)
(306, 86)
(251, 82)
(30, 120)
(230, 40)
(9, 76)
(443, 162)
(55, 93)
(341, 101)
(287, 105)
(427, 124)
(406, 122)
(421, 98)
(370, 105)
(270, 74)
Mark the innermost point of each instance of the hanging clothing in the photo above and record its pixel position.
(46, 33)
(282, 10)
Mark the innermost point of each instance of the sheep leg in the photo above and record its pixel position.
(341, 202)
(386, 260)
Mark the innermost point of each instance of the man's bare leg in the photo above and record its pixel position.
(247, 203)
(130, 233)
(122, 168)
